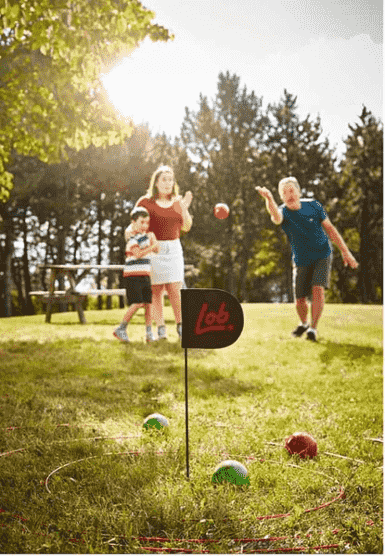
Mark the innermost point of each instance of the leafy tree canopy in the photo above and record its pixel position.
(52, 53)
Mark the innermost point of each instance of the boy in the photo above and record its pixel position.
(137, 272)
(309, 231)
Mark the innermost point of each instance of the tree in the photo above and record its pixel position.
(52, 53)
(360, 211)
(294, 148)
(220, 138)
(76, 211)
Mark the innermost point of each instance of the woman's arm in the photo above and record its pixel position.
(153, 242)
(184, 204)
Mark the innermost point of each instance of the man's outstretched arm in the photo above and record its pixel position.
(336, 238)
(271, 205)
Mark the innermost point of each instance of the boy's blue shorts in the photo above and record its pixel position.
(315, 274)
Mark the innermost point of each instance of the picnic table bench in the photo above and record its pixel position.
(70, 295)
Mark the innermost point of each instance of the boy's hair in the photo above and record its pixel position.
(138, 212)
(152, 191)
(285, 181)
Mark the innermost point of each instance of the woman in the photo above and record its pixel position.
(169, 216)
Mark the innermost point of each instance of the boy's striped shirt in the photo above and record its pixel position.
(132, 265)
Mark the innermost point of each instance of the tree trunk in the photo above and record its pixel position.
(110, 273)
(288, 274)
(44, 285)
(63, 307)
(62, 234)
(99, 256)
(27, 301)
(364, 278)
(17, 280)
(8, 267)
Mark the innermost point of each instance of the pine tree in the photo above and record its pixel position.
(361, 203)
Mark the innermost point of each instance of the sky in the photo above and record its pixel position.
(327, 53)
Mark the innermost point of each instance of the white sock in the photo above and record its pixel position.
(312, 330)
(305, 323)
(123, 325)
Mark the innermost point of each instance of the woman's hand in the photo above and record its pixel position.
(184, 203)
(187, 199)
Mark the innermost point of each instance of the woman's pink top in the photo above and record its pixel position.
(166, 223)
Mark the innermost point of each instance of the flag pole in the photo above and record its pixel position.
(186, 413)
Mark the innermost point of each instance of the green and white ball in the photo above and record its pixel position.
(231, 471)
(155, 421)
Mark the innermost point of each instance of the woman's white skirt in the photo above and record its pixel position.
(167, 266)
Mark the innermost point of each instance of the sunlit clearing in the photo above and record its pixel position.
(140, 85)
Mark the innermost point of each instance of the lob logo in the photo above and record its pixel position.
(211, 318)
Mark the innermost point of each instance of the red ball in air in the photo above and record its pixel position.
(301, 443)
(221, 211)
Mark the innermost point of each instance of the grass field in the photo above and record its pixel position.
(79, 474)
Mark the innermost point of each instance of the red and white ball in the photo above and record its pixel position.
(221, 211)
(301, 443)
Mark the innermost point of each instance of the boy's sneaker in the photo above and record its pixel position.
(179, 329)
(121, 334)
(150, 337)
(311, 335)
(301, 328)
(162, 332)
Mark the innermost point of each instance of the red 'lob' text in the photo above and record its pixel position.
(211, 321)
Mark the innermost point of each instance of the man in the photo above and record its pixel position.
(309, 231)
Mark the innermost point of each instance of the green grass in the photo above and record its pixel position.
(72, 394)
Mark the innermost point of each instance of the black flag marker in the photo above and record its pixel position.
(211, 319)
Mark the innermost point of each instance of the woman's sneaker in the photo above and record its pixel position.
(121, 334)
(162, 332)
(301, 328)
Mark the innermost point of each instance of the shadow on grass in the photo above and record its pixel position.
(205, 383)
(347, 351)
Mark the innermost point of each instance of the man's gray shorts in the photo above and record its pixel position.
(316, 274)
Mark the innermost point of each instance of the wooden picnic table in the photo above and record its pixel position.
(70, 295)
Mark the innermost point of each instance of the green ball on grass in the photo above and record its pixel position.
(231, 471)
(155, 421)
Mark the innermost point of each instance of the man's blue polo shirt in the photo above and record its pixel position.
(309, 241)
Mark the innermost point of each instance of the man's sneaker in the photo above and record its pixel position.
(301, 328)
(179, 329)
(121, 334)
(311, 335)
(162, 332)
(150, 337)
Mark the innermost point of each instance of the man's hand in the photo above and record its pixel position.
(349, 260)
(336, 238)
(264, 192)
(271, 206)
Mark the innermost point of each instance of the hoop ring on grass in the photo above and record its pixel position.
(260, 518)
